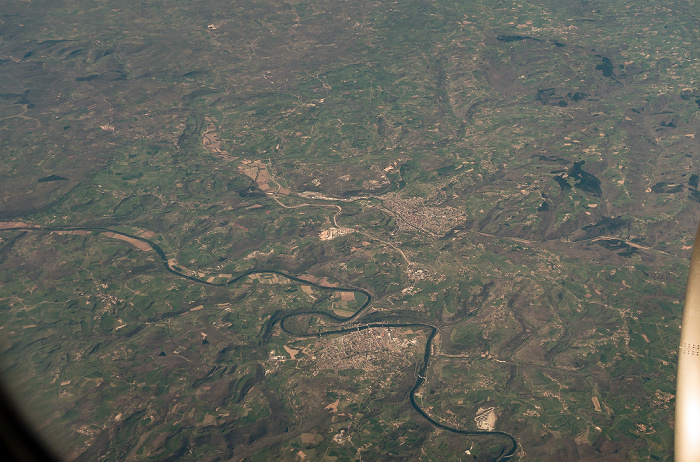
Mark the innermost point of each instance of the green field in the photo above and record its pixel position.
(520, 176)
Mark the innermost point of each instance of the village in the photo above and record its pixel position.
(367, 350)
(415, 214)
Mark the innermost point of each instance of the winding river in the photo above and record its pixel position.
(281, 318)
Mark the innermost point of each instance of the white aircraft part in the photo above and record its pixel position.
(687, 425)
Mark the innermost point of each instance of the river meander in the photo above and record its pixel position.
(348, 324)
